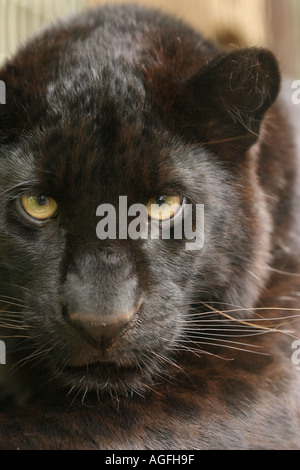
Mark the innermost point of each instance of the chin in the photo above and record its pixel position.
(105, 378)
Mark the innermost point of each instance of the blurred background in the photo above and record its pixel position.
(271, 23)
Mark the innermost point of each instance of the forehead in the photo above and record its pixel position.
(100, 157)
(96, 130)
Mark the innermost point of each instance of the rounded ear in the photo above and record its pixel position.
(232, 93)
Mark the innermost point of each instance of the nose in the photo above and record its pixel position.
(101, 330)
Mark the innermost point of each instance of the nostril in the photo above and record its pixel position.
(101, 329)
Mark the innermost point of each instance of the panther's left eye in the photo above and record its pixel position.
(39, 207)
(164, 207)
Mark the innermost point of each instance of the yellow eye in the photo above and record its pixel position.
(164, 207)
(39, 207)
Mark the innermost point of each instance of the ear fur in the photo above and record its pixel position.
(229, 96)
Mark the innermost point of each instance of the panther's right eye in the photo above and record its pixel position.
(40, 208)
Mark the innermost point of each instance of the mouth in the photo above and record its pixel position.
(95, 365)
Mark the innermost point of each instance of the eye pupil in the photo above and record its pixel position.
(41, 200)
(164, 207)
(160, 200)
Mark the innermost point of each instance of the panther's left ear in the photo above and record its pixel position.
(230, 94)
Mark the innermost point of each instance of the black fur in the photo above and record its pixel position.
(126, 101)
